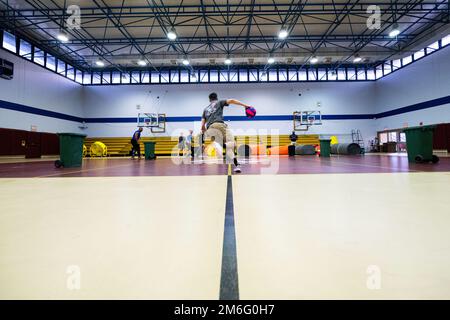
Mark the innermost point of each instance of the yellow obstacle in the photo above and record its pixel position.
(99, 149)
(334, 140)
(84, 150)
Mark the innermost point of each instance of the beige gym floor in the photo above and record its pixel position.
(132, 238)
(298, 236)
(317, 236)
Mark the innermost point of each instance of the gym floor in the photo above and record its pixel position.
(285, 228)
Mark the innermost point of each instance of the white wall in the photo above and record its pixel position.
(421, 81)
(36, 87)
(268, 99)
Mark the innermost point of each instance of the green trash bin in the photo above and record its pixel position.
(150, 150)
(325, 147)
(70, 150)
(419, 144)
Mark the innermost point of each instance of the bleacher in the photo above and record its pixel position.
(165, 145)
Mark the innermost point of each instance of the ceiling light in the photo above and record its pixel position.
(62, 37)
(357, 59)
(270, 60)
(186, 62)
(228, 61)
(394, 31)
(172, 35)
(283, 34)
(314, 59)
(142, 63)
(100, 63)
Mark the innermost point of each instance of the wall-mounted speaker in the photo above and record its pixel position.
(6, 69)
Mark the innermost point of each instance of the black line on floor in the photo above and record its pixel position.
(229, 285)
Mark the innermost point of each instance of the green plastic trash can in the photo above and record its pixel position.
(325, 147)
(70, 150)
(150, 150)
(419, 144)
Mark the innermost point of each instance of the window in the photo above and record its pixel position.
(145, 77)
(96, 78)
(302, 75)
(233, 76)
(204, 77)
(407, 60)
(25, 49)
(61, 68)
(116, 77)
(383, 138)
(263, 77)
(419, 54)
(9, 42)
(312, 74)
(332, 75)
(154, 77)
(273, 76)
(397, 64)
(213, 76)
(39, 56)
(165, 76)
(282, 75)
(106, 77)
(341, 75)
(433, 47)
(70, 72)
(126, 77)
(194, 76)
(86, 78)
(243, 76)
(253, 75)
(387, 68)
(402, 137)
(322, 74)
(79, 76)
(292, 75)
(135, 76)
(361, 74)
(184, 76)
(223, 76)
(371, 74)
(51, 62)
(392, 136)
(445, 41)
(174, 76)
(351, 74)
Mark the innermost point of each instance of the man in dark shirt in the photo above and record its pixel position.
(135, 143)
(214, 125)
(293, 137)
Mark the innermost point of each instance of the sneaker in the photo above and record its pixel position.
(237, 169)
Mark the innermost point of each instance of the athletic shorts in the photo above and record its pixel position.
(220, 131)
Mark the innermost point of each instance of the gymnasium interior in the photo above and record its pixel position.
(343, 144)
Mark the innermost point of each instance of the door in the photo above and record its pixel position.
(33, 146)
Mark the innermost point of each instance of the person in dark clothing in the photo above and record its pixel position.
(135, 143)
(293, 137)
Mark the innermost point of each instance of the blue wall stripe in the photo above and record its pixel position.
(415, 107)
(62, 116)
(37, 111)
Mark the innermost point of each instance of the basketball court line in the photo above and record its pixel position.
(84, 170)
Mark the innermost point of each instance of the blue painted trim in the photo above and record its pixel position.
(415, 107)
(62, 116)
(40, 112)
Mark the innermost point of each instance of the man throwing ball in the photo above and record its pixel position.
(214, 125)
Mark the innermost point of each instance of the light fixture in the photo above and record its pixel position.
(142, 62)
(186, 62)
(357, 58)
(394, 31)
(283, 34)
(228, 61)
(100, 63)
(270, 60)
(172, 35)
(62, 36)
(314, 59)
